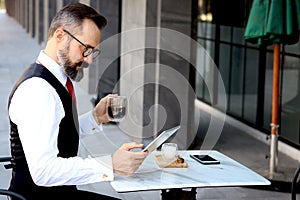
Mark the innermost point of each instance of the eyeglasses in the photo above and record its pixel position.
(88, 50)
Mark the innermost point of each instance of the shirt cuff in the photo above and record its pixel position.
(88, 125)
(104, 163)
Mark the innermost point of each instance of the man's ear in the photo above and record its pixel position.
(59, 36)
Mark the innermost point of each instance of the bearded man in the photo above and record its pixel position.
(45, 128)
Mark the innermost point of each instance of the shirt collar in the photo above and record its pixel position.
(52, 66)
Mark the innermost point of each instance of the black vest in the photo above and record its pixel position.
(67, 141)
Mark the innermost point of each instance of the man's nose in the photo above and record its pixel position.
(88, 59)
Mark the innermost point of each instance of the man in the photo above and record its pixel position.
(45, 129)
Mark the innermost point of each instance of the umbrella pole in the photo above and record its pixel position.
(275, 105)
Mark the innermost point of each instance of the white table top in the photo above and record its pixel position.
(151, 177)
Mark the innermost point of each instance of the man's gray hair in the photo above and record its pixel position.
(71, 18)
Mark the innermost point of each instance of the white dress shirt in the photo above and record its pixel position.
(37, 111)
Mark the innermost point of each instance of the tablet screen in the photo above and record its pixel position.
(164, 136)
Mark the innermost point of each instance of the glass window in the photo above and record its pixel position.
(236, 85)
(225, 33)
(290, 113)
(204, 71)
(238, 36)
(294, 49)
(206, 30)
(268, 92)
(224, 67)
(248, 80)
(251, 85)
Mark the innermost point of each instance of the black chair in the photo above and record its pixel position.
(295, 184)
(5, 191)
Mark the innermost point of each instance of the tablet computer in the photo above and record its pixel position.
(163, 137)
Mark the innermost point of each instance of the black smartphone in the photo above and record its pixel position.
(205, 159)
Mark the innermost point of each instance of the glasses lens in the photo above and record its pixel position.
(96, 53)
(87, 51)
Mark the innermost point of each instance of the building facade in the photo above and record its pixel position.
(135, 49)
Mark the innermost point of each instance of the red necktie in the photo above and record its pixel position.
(71, 90)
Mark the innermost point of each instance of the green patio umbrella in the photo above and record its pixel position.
(274, 22)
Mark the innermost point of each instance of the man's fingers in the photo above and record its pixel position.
(131, 145)
(127, 162)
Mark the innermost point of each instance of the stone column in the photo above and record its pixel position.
(86, 2)
(132, 81)
(155, 79)
(17, 10)
(26, 15)
(46, 22)
(59, 4)
(37, 20)
(31, 17)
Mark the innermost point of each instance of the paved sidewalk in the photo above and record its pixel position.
(19, 50)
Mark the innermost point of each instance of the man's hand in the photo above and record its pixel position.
(99, 111)
(127, 162)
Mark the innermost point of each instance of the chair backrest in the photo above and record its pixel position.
(5, 191)
(11, 194)
(295, 184)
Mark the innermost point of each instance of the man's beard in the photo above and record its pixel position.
(69, 67)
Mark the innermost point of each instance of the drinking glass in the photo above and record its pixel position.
(169, 151)
(116, 108)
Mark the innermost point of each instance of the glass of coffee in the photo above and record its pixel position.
(116, 108)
